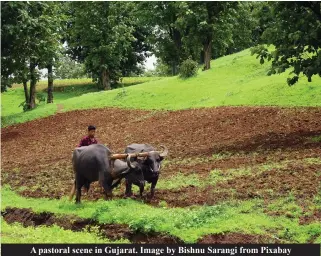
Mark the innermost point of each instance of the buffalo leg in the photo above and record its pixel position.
(106, 182)
(78, 196)
(128, 191)
(79, 184)
(107, 190)
(73, 190)
(152, 188)
(141, 189)
(87, 185)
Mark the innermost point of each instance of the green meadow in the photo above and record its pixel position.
(234, 80)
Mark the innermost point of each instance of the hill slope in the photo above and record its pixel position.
(235, 80)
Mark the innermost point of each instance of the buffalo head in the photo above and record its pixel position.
(152, 161)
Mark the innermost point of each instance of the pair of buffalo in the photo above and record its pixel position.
(97, 163)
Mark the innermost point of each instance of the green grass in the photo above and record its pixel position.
(315, 139)
(178, 181)
(189, 224)
(16, 233)
(286, 206)
(233, 80)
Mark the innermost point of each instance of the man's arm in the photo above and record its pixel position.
(81, 143)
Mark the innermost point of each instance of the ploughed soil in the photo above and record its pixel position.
(238, 238)
(111, 231)
(314, 217)
(36, 156)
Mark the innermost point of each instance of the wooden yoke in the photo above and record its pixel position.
(124, 156)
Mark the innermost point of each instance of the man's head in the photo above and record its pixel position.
(91, 131)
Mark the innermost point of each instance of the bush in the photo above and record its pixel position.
(188, 68)
(25, 106)
(41, 97)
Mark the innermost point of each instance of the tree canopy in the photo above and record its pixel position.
(30, 35)
(109, 37)
(294, 28)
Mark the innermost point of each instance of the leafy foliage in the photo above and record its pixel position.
(198, 29)
(161, 69)
(24, 106)
(69, 69)
(105, 36)
(208, 24)
(30, 39)
(188, 68)
(165, 35)
(41, 97)
(295, 31)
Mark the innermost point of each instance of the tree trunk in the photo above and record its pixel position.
(33, 81)
(25, 88)
(105, 79)
(50, 85)
(174, 69)
(176, 36)
(207, 53)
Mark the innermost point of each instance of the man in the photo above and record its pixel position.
(90, 138)
(86, 141)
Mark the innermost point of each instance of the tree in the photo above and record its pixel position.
(22, 74)
(137, 53)
(68, 68)
(295, 31)
(102, 34)
(165, 34)
(245, 28)
(49, 57)
(202, 30)
(208, 24)
(160, 70)
(12, 59)
(30, 38)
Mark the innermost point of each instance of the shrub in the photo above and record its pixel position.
(25, 106)
(188, 68)
(41, 97)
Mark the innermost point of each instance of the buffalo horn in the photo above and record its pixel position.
(165, 151)
(129, 163)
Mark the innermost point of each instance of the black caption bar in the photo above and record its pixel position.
(158, 249)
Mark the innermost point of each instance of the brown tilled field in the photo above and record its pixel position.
(37, 155)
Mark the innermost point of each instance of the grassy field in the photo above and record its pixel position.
(188, 224)
(16, 233)
(234, 80)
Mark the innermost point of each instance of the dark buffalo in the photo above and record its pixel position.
(150, 165)
(92, 163)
